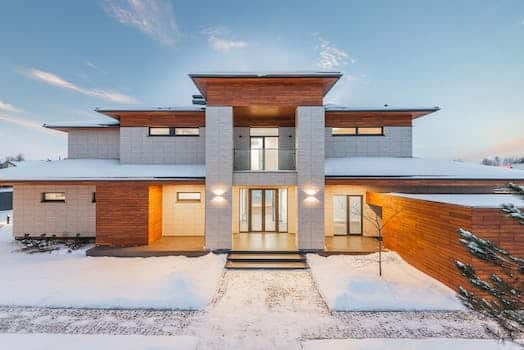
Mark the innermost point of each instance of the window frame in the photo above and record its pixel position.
(172, 131)
(46, 200)
(357, 131)
(348, 215)
(178, 199)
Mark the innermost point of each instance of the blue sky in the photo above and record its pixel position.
(61, 59)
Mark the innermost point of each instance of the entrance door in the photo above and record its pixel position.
(264, 214)
(347, 215)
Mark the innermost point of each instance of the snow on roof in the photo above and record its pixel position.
(156, 109)
(415, 168)
(337, 108)
(262, 74)
(99, 169)
(469, 200)
(82, 124)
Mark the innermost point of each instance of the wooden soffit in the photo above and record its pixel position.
(158, 118)
(276, 91)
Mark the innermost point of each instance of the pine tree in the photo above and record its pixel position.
(505, 287)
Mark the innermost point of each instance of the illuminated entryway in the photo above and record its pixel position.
(264, 218)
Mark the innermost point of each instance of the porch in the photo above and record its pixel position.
(351, 245)
(168, 245)
(264, 242)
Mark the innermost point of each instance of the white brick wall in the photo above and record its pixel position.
(98, 143)
(137, 147)
(396, 142)
(76, 216)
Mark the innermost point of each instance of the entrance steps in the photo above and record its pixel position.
(274, 260)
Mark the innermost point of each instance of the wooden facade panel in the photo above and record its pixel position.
(122, 214)
(155, 213)
(366, 119)
(171, 119)
(425, 234)
(275, 92)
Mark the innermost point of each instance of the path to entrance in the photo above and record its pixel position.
(252, 310)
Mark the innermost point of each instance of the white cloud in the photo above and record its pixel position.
(330, 56)
(26, 123)
(219, 40)
(155, 18)
(4, 106)
(55, 80)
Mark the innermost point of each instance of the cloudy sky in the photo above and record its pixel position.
(61, 59)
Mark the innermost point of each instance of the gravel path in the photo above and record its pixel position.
(252, 310)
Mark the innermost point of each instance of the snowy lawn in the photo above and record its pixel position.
(351, 283)
(408, 344)
(62, 279)
(99, 342)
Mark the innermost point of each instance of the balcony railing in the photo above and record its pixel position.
(264, 159)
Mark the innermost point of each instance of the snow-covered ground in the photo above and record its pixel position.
(409, 344)
(62, 279)
(4, 214)
(352, 283)
(99, 342)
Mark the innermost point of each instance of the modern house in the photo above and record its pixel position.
(264, 165)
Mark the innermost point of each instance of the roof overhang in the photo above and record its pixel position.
(118, 113)
(326, 79)
(413, 112)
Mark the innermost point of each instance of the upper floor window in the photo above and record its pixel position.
(53, 197)
(368, 131)
(263, 131)
(163, 131)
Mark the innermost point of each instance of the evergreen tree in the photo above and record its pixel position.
(505, 287)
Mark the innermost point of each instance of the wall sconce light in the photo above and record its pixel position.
(218, 195)
(311, 200)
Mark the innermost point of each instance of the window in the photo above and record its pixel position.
(344, 131)
(164, 131)
(53, 197)
(187, 131)
(375, 131)
(371, 131)
(93, 199)
(159, 131)
(263, 131)
(347, 215)
(188, 196)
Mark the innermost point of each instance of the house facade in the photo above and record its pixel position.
(263, 163)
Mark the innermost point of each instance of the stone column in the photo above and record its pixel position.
(219, 177)
(309, 134)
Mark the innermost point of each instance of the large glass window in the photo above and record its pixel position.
(264, 148)
(347, 214)
(244, 210)
(282, 210)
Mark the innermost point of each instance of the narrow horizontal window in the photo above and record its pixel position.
(159, 131)
(371, 131)
(53, 197)
(343, 131)
(263, 131)
(187, 131)
(188, 196)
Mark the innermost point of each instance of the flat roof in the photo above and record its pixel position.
(415, 168)
(63, 126)
(267, 74)
(100, 169)
(333, 108)
(469, 200)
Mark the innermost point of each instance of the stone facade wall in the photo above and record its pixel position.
(93, 143)
(396, 142)
(77, 215)
(137, 147)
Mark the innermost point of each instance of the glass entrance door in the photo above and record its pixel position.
(263, 210)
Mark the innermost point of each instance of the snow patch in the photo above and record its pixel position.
(408, 344)
(99, 342)
(74, 280)
(352, 283)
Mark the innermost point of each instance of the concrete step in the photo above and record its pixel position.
(266, 257)
(266, 265)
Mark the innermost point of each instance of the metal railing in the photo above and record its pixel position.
(264, 159)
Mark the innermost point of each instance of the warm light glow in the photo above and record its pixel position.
(218, 200)
(311, 200)
(219, 191)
